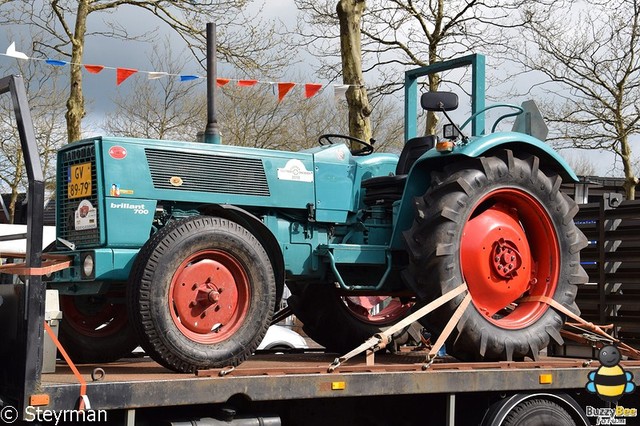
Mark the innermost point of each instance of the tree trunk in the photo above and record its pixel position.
(350, 14)
(630, 180)
(434, 79)
(17, 178)
(75, 103)
(432, 117)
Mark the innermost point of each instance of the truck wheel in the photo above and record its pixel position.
(501, 225)
(536, 412)
(201, 294)
(95, 328)
(342, 323)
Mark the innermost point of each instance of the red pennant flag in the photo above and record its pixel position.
(94, 69)
(283, 89)
(123, 73)
(310, 89)
(247, 83)
(222, 81)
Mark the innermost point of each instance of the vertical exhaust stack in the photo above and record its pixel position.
(212, 131)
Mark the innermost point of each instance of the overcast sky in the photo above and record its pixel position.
(132, 54)
(100, 88)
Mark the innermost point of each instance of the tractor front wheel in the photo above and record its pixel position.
(202, 292)
(501, 225)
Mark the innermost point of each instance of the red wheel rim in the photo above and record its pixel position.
(510, 250)
(377, 310)
(94, 315)
(209, 296)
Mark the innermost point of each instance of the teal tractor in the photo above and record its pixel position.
(185, 248)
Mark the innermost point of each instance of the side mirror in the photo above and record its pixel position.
(438, 101)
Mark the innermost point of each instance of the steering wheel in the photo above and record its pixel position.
(329, 138)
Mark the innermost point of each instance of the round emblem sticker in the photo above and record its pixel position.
(117, 152)
(176, 181)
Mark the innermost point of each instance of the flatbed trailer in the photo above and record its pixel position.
(270, 389)
(296, 389)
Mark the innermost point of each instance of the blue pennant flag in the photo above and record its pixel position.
(55, 62)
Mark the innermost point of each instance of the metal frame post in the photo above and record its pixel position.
(212, 131)
(477, 63)
(26, 367)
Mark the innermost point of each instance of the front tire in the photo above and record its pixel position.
(500, 224)
(202, 292)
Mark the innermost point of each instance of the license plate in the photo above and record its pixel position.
(79, 181)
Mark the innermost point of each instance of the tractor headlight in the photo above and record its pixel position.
(88, 265)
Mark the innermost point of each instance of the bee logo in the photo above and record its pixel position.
(610, 381)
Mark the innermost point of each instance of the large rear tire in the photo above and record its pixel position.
(96, 328)
(201, 294)
(341, 323)
(500, 224)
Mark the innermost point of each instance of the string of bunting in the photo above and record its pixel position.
(310, 89)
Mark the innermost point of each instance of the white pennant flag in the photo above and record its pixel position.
(339, 91)
(11, 51)
(153, 75)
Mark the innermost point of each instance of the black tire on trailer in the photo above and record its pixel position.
(201, 294)
(340, 323)
(538, 412)
(500, 224)
(96, 328)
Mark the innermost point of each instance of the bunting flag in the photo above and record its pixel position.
(247, 83)
(154, 75)
(11, 51)
(93, 69)
(123, 73)
(310, 89)
(189, 77)
(55, 62)
(339, 91)
(283, 89)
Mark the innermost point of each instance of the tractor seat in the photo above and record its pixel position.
(384, 190)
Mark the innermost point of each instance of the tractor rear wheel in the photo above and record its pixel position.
(201, 294)
(95, 328)
(500, 224)
(340, 322)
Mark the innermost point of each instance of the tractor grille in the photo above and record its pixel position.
(207, 173)
(68, 206)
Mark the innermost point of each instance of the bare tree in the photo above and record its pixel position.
(590, 56)
(46, 101)
(253, 117)
(248, 116)
(405, 33)
(581, 165)
(242, 39)
(165, 108)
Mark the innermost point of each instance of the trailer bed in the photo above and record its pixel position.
(140, 382)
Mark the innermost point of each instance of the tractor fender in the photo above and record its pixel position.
(254, 225)
(419, 177)
(517, 142)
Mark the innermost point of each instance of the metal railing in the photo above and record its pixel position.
(612, 261)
